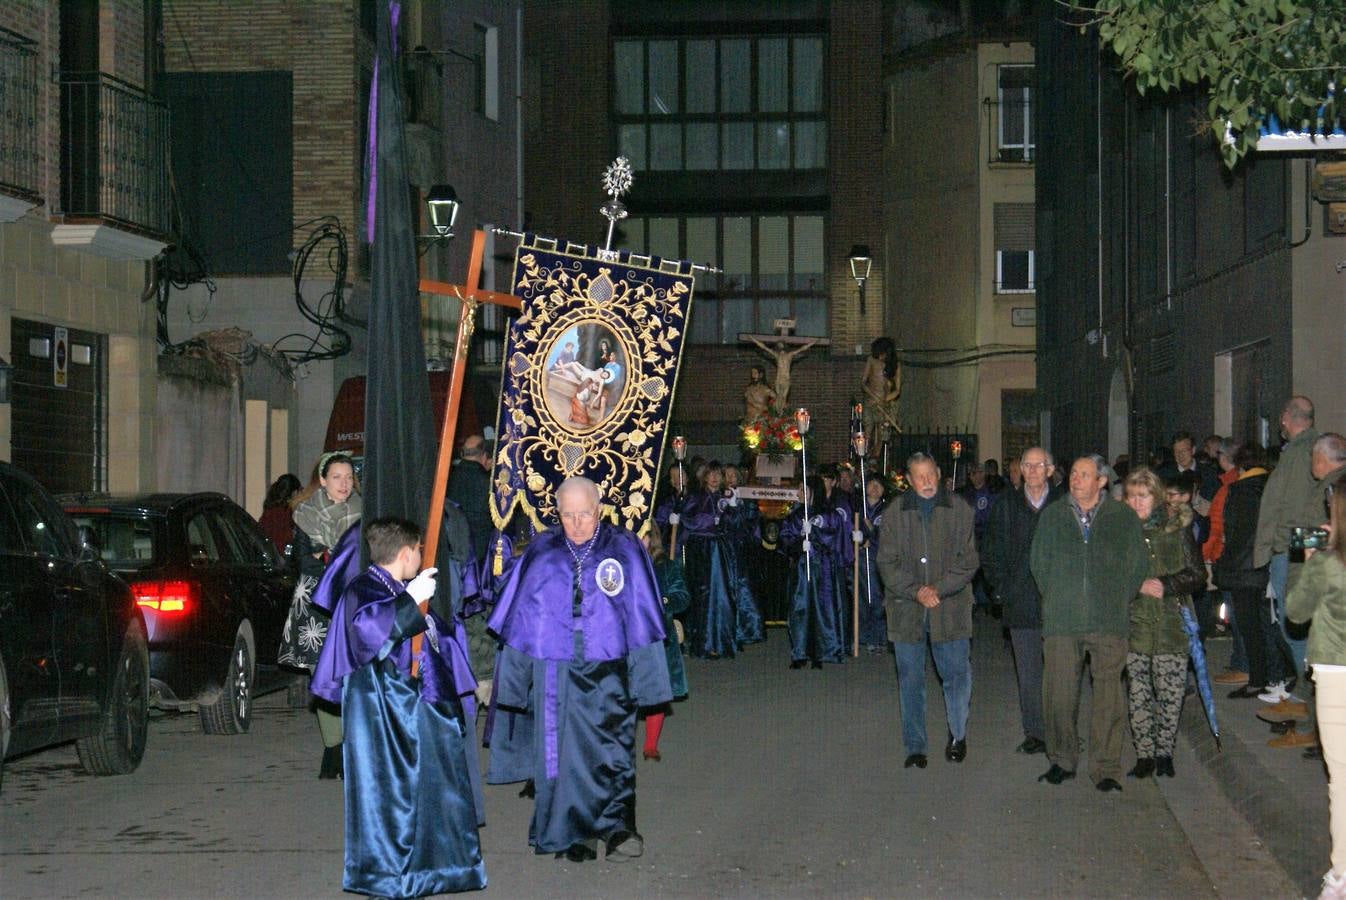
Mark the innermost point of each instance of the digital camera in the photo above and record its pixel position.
(1303, 537)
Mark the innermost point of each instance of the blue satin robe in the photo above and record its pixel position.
(712, 579)
(582, 678)
(411, 819)
(818, 600)
(673, 503)
(873, 621)
(739, 525)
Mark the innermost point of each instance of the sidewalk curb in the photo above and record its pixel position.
(1258, 793)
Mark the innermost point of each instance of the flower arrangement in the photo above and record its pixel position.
(773, 434)
(897, 482)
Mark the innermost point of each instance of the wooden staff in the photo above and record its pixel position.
(855, 593)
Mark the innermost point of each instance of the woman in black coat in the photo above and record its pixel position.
(1234, 570)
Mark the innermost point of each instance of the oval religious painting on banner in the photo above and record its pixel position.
(585, 376)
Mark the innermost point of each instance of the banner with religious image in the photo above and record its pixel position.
(590, 368)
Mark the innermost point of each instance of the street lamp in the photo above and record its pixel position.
(443, 204)
(861, 263)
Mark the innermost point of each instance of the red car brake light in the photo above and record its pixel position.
(164, 596)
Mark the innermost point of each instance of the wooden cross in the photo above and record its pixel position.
(471, 296)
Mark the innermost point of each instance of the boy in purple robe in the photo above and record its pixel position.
(582, 625)
(411, 820)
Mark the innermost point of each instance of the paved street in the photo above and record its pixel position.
(774, 783)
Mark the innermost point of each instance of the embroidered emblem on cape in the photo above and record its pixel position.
(610, 576)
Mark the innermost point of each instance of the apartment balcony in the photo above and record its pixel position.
(19, 180)
(115, 198)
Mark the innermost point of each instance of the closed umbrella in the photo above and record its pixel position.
(1199, 666)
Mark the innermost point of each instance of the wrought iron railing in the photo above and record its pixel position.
(18, 114)
(114, 152)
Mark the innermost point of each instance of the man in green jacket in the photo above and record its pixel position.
(1088, 559)
(1289, 491)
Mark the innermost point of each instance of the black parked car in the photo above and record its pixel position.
(73, 659)
(214, 592)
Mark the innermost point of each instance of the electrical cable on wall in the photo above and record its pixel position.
(331, 340)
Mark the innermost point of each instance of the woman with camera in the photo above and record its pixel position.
(1320, 595)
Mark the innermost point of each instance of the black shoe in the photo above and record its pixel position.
(1283, 727)
(1031, 745)
(529, 789)
(1313, 751)
(1247, 692)
(956, 751)
(581, 852)
(1144, 768)
(332, 766)
(915, 759)
(1108, 784)
(625, 845)
(816, 664)
(798, 663)
(1163, 765)
(1056, 775)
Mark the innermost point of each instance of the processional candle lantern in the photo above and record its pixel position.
(802, 423)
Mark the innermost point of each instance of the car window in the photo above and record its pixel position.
(11, 541)
(124, 541)
(253, 547)
(43, 529)
(202, 545)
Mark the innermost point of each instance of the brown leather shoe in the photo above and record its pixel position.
(653, 755)
(1295, 739)
(1284, 711)
(1231, 676)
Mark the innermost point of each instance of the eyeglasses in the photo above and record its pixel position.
(1039, 465)
(583, 515)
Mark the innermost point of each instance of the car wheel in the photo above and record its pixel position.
(119, 744)
(297, 694)
(231, 713)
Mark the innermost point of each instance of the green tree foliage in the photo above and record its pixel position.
(1253, 58)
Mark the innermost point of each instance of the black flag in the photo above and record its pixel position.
(399, 442)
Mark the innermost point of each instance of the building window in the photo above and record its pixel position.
(772, 269)
(487, 53)
(1014, 120)
(1015, 235)
(708, 103)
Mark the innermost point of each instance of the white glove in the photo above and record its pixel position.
(807, 529)
(733, 499)
(674, 518)
(807, 546)
(422, 587)
(858, 536)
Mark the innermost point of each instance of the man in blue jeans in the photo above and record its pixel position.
(927, 557)
(1290, 489)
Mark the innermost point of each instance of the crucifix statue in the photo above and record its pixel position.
(778, 350)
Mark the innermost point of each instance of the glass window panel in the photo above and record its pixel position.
(705, 320)
(735, 76)
(808, 253)
(736, 316)
(701, 249)
(703, 145)
(664, 238)
(810, 145)
(628, 69)
(663, 77)
(808, 75)
(773, 253)
(737, 145)
(773, 145)
(700, 76)
(811, 316)
(769, 309)
(737, 253)
(665, 147)
(773, 72)
(630, 235)
(631, 144)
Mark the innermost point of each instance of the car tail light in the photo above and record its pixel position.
(169, 597)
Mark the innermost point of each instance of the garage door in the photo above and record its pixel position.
(58, 429)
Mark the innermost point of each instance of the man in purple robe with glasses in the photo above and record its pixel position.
(582, 628)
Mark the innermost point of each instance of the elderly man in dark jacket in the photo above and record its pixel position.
(1004, 560)
(1088, 559)
(927, 557)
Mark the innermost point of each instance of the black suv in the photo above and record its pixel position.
(214, 592)
(73, 659)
